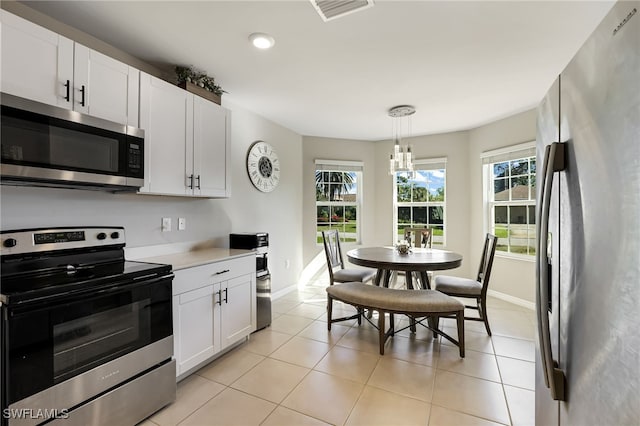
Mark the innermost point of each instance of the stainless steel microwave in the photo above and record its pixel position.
(44, 145)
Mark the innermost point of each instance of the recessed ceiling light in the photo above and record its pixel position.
(262, 40)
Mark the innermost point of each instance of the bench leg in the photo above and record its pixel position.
(360, 314)
(460, 320)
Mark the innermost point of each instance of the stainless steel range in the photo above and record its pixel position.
(86, 336)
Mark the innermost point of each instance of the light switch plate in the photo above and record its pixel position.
(166, 224)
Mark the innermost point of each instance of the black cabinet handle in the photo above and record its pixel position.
(226, 296)
(190, 181)
(67, 85)
(198, 179)
(82, 90)
(222, 272)
(219, 293)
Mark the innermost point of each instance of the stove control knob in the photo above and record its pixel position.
(10, 242)
(102, 236)
(115, 235)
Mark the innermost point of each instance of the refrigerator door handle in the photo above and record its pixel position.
(554, 161)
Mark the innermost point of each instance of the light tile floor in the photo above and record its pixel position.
(295, 372)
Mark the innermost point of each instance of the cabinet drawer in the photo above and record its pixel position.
(201, 276)
(195, 294)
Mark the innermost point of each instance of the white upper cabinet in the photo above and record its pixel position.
(187, 141)
(36, 63)
(164, 112)
(43, 66)
(211, 150)
(104, 87)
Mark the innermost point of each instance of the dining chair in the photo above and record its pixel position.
(335, 262)
(419, 237)
(337, 271)
(473, 289)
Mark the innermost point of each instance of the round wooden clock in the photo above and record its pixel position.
(263, 166)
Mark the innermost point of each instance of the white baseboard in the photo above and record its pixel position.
(280, 293)
(512, 299)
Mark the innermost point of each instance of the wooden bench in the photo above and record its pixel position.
(416, 304)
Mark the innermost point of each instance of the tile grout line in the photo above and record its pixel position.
(504, 392)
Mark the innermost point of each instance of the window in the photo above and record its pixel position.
(419, 201)
(510, 198)
(338, 199)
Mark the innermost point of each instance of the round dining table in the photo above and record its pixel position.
(418, 260)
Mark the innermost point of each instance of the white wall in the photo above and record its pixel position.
(509, 276)
(276, 212)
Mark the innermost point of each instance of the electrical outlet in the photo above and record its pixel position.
(166, 224)
(182, 224)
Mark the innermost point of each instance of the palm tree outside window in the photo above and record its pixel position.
(338, 198)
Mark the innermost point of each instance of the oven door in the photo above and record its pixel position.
(64, 345)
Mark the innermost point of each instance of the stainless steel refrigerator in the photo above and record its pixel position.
(588, 257)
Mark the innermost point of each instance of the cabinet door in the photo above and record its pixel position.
(36, 63)
(194, 328)
(211, 150)
(165, 110)
(238, 309)
(105, 87)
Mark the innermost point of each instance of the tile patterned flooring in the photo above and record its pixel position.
(295, 372)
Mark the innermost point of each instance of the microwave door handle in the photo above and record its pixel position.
(554, 376)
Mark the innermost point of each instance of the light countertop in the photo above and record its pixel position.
(189, 259)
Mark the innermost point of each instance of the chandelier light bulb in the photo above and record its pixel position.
(401, 159)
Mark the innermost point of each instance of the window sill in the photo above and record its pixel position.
(514, 256)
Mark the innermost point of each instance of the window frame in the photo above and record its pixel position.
(489, 158)
(342, 166)
(439, 163)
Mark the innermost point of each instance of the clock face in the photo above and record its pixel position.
(263, 166)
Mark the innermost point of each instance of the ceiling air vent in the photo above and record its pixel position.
(332, 9)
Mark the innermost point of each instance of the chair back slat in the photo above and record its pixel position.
(418, 237)
(486, 262)
(333, 252)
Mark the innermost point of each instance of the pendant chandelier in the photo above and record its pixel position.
(400, 159)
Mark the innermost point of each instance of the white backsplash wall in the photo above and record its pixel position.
(141, 215)
(248, 210)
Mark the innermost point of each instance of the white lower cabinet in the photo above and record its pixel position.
(237, 311)
(214, 307)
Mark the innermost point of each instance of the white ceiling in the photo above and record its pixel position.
(461, 64)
